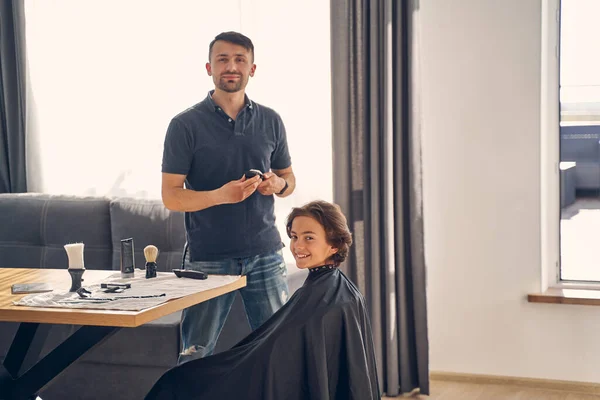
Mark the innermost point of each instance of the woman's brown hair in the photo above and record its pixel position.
(333, 222)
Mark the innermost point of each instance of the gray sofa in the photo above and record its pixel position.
(33, 231)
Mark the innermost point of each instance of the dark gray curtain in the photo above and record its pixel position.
(13, 177)
(377, 177)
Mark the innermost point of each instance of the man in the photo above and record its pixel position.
(229, 218)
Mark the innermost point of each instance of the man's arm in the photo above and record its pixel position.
(275, 181)
(177, 198)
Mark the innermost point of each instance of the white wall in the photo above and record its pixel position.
(481, 121)
(107, 76)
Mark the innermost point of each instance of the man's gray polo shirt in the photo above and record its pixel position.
(211, 149)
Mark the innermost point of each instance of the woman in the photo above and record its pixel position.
(317, 346)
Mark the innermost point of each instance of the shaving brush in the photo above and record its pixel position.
(151, 253)
(76, 267)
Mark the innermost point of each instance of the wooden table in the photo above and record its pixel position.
(96, 326)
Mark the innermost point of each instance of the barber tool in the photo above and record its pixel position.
(83, 298)
(76, 268)
(83, 292)
(127, 258)
(115, 288)
(150, 252)
(189, 273)
(115, 285)
(34, 287)
(251, 173)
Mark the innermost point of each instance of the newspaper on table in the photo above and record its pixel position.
(143, 293)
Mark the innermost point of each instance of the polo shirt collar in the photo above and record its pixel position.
(215, 107)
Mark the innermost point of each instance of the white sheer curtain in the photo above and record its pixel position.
(106, 76)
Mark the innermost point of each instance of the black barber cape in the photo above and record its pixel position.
(317, 346)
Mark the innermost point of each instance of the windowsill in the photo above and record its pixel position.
(587, 297)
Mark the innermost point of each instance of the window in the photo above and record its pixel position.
(579, 132)
(106, 77)
(570, 142)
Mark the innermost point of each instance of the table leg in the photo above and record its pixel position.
(26, 347)
(5, 379)
(28, 384)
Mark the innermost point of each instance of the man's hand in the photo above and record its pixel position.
(238, 190)
(271, 184)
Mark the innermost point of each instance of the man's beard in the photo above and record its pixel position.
(231, 87)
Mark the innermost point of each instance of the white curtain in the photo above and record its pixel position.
(106, 77)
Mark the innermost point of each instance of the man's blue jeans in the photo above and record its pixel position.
(265, 292)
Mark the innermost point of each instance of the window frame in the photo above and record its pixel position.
(550, 152)
(549, 144)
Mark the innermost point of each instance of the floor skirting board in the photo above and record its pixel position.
(530, 383)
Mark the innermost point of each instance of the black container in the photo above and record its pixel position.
(127, 258)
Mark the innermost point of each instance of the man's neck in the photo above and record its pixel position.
(231, 103)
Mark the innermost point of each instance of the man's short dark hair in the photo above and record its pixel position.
(235, 38)
(332, 220)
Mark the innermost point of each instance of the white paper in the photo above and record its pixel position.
(166, 286)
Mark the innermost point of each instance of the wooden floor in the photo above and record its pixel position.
(446, 390)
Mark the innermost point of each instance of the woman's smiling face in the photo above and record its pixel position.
(308, 243)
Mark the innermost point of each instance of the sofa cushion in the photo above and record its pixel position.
(35, 227)
(147, 222)
(91, 381)
(152, 344)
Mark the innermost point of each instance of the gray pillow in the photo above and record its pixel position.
(34, 228)
(147, 222)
